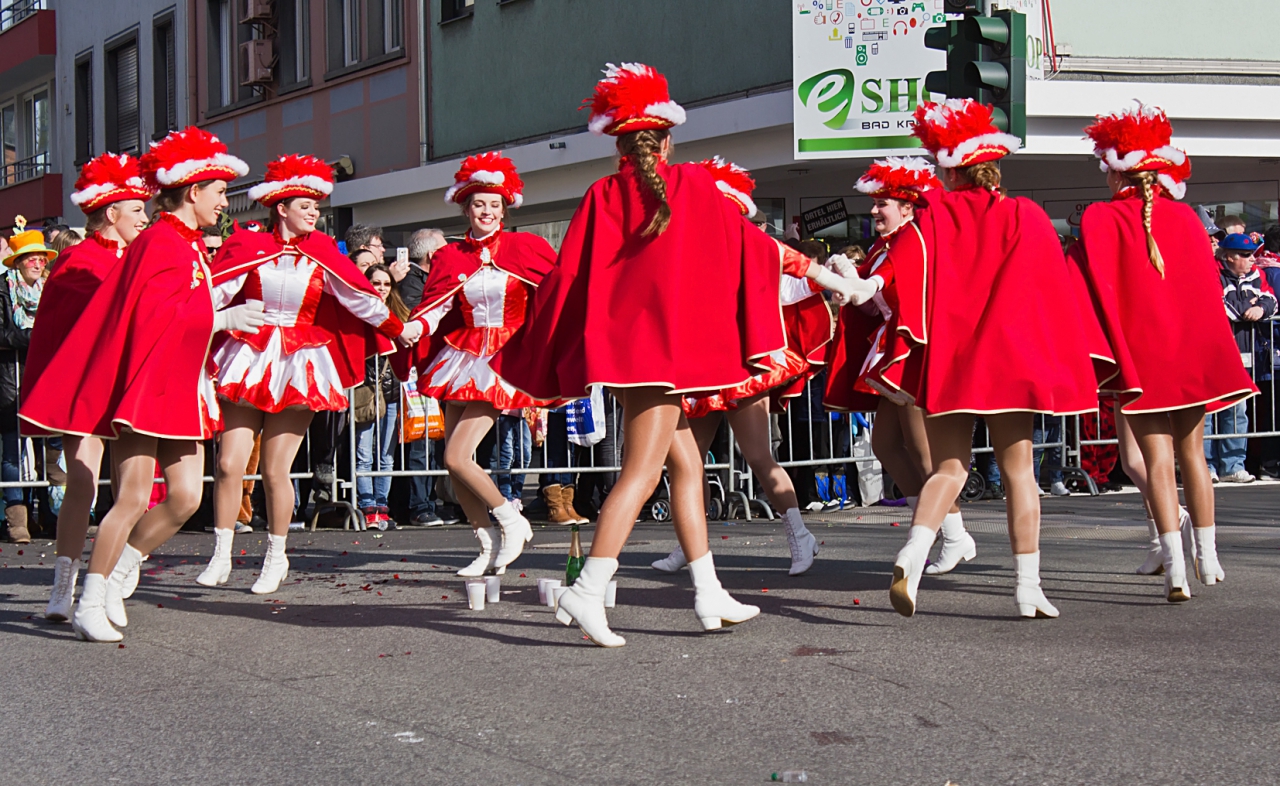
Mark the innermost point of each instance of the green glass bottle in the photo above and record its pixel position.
(574, 566)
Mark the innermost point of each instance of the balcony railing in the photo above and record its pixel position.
(17, 10)
(25, 169)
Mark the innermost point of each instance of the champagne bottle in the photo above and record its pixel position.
(574, 566)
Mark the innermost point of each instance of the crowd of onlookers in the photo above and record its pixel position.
(397, 431)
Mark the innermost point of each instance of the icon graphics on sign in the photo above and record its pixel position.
(861, 58)
(900, 28)
(917, 7)
(835, 34)
(875, 49)
(878, 35)
(848, 42)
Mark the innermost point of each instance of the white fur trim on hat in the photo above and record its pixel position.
(179, 172)
(487, 178)
(667, 110)
(91, 193)
(868, 186)
(952, 158)
(599, 123)
(268, 187)
(1176, 189)
(739, 196)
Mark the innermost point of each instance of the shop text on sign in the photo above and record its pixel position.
(823, 216)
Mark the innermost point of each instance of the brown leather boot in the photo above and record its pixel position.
(556, 513)
(566, 498)
(16, 515)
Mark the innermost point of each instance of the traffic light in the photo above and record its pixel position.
(1000, 71)
(960, 52)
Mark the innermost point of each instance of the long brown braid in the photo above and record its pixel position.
(985, 175)
(642, 147)
(1146, 181)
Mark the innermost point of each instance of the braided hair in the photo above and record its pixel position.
(985, 176)
(1146, 181)
(642, 147)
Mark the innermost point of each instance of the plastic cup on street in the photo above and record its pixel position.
(542, 590)
(610, 594)
(492, 589)
(556, 593)
(475, 595)
(551, 586)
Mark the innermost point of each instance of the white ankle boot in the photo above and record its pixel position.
(672, 563)
(515, 533)
(1176, 587)
(90, 620)
(275, 567)
(804, 546)
(488, 554)
(129, 560)
(219, 570)
(583, 603)
(907, 569)
(957, 544)
(714, 606)
(1188, 534)
(62, 598)
(129, 583)
(1028, 595)
(1153, 565)
(1206, 558)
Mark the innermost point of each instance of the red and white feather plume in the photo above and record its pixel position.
(294, 176)
(1174, 179)
(960, 132)
(487, 173)
(1135, 140)
(734, 182)
(187, 157)
(631, 97)
(109, 178)
(898, 178)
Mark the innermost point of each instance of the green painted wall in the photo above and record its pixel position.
(520, 69)
(1192, 29)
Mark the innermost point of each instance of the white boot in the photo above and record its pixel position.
(1176, 587)
(484, 563)
(907, 569)
(129, 560)
(62, 598)
(804, 546)
(219, 569)
(1206, 560)
(1153, 565)
(583, 603)
(957, 544)
(672, 563)
(129, 583)
(712, 604)
(90, 620)
(515, 533)
(1188, 536)
(1028, 595)
(275, 567)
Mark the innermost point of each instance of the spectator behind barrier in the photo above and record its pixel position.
(1232, 225)
(361, 236)
(377, 414)
(423, 245)
(364, 259)
(1268, 261)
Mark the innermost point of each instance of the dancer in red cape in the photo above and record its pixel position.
(113, 196)
(1153, 284)
(473, 303)
(322, 320)
(807, 324)
(134, 368)
(662, 288)
(880, 344)
(1004, 342)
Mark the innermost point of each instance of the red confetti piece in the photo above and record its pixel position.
(355, 543)
(404, 559)
(382, 656)
(408, 653)
(395, 575)
(343, 554)
(19, 552)
(823, 543)
(444, 597)
(766, 589)
(724, 537)
(119, 646)
(159, 605)
(522, 576)
(379, 593)
(894, 524)
(857, 602)
(243, 552)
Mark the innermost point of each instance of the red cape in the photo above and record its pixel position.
(906, 332)
(136, 356)
(526, 256)
(1170, 337)
(1005, 332)
(354, 340)
(690, 309)
(77, 275)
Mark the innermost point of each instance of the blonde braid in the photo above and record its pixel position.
(1145, 180)
(642, 147)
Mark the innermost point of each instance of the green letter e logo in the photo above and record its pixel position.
(833, 95)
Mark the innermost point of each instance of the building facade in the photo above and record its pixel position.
(30, 183)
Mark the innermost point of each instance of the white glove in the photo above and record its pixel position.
(246, 318)
(852, 290)
(843, 265)
(412, 331)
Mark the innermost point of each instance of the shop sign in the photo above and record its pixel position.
(823, 216)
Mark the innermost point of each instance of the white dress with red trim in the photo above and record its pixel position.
(288, 362)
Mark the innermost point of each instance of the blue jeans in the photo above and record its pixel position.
(514, 450)
(372, 492)
(10, 468)
(1226, 456)
(1047, 429)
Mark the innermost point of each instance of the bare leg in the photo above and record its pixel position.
(950, 448)
(182, 462)
(704, 433)
(1188, 442)
(684, 467)
(135, 455)
(84, 460)
(1131, 454)
(464, 428)
(282, 435)
(1011, 437)
(1154, 436)
(234, 448)
(751, 430)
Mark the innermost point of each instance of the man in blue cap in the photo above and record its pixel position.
(1250, 302)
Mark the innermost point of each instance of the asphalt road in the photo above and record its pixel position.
(368, 668)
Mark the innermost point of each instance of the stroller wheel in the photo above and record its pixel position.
(973, 487)
(715, 509)
(660, 510)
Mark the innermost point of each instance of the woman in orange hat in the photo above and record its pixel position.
(323, 320)
(113, 196)
(19, 295)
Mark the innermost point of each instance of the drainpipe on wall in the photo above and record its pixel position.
(422, 10)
